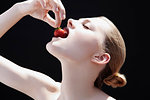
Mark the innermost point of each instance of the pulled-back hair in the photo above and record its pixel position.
(115, 46)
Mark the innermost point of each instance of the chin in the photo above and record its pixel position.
(51, 48)
(58, 51)
(55, 49)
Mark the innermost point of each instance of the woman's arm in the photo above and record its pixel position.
(9, 18)
(27, 81)
(36, 8)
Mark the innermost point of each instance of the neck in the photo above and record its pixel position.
(78, 80)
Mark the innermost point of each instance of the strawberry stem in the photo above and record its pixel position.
(58, 28)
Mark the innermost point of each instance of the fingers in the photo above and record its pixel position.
(50, 20)
(57, 19)
(57, 16)
(43, 3)
(57, 7)
(61, 10)
(54, 23)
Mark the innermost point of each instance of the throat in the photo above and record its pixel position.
(77, 83)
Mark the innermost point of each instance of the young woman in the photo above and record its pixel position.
(92, 54)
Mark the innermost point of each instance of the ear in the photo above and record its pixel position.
(100, 59)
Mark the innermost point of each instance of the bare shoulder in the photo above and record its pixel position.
(103, 96)
(50, 84)
(50, 89)
(58, 84)
(45, 88)
(35, 84)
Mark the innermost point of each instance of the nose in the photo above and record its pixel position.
(71, 23)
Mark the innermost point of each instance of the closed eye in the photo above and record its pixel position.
(85, 26)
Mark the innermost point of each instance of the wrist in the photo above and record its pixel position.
(22, 8)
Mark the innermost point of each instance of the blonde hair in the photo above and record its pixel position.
(115, 46)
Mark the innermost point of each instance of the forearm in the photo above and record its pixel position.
(25, 80)
(16, 77)
(10, 72)
(9, 18)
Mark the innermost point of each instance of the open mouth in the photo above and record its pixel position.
(66, 29)
(63, 33)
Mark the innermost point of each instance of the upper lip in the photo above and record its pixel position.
(67, 30)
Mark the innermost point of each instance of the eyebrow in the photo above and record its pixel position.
(84, 19)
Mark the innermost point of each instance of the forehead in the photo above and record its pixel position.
(95, 20)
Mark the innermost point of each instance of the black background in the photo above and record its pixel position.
(25, 42)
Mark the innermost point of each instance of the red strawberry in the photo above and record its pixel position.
(63, 33)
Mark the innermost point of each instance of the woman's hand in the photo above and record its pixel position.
(36, 8)
(39, 9)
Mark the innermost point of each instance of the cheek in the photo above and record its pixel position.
(77, 47)
(87, 40)
(83, 45)
(87, 45)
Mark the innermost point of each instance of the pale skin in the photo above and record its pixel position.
(80, 55)
(36, 8)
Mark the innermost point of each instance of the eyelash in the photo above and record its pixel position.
(86, 27)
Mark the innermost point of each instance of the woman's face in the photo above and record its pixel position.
(84, 39)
